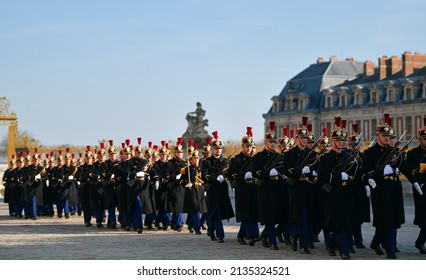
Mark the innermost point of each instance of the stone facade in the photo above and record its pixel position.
(359, 92)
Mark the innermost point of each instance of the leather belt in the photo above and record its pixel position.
(391, 178)
(250, 181)
(274, 178)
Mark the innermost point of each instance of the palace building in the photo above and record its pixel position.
(358, 92)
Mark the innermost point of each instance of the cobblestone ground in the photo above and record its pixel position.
(61, 239)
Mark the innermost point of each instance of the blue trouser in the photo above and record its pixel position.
(163, 217)
(18, 209)
(111, 215)
(270, 233)
(248, 229)
(193, 221)
(12, 209)
(177, 221)
(303, 231)
(216, 224)
(31, 207)
(137, 213)
(384, 237)
(357, 233)
(203, 218)
(339, 239)
(63, 205)
(98, 212)
(150, 218)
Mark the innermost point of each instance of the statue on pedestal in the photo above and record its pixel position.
(196, 126)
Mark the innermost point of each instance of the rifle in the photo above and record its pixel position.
(389, 152)
(272, 163)
(343, 163)
(220, 168)
(303, 160)
(244, 169)
(141, 167)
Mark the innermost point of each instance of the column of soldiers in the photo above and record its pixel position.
(296, 190)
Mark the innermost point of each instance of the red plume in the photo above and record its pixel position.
(386, 118)
(67, 149)
(52, 153)
(80, 154)
(196, 145)
(150, 144)
(167, 145)
(304, 121)
(102, 145)
(47, 156)
(60, 152)
(292, 133)
(179, 141)
(21, 154)
(28, 152)
(88, 148)
(271, 126)
(215, 135)
(123, 145)
(72, 155)
(249, 132)
(13, 156)
(127, 141)
(344, 124)
(111, 142)
(190, 143)
(163, 143)
(131, 147)
(155, 147)
(36, 150)
(355, 127)
(390, 122)
(95, 151)
(139, 140)
(208, 141)
(324, 130)
(309, 127)
(337, 121)
(285, 131)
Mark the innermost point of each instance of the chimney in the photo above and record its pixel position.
(320, 60)
(333, 58)
(410, 62)
(368, 68)
(395, 64)
(383, 69)
(350, 59)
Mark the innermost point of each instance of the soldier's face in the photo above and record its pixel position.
(113, 157)
(163, 157)
(195, 161)
(382, 139)
(301, 141)
(392, 141)
(247, 149)
(422, 142)
(179, 155)
(217, 152)
(338, 145)
(270, 145)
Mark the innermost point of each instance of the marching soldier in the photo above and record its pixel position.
(194, 202)
(34, 187)
(264, 170)
(207, 152)
(49, 193)
(9, 182)
(246, 203)
(66, 194)
(109, 195)
(219, 207)
(416, 159)
(160, 167)
(152, 184)
(378, 161)
(175, 193)
(97, 193)
(19, 196)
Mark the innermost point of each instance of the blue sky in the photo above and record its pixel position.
(79, 71)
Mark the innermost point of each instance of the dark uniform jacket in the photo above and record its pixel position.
(414, 158)
(194, 199)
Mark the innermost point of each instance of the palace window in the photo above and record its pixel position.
(358, 98)
(342, 100)
(301, 104)
(328, 102)
(390, 96)
(373, 97)
(408, 93)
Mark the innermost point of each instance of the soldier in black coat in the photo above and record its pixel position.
(34, 187)
(296, 167)
(386, 212)
(219, 207)
(49, 193)
(416, 159)
(21, 178)
(337, 170)
(194, 203)
(9, 182)
(242, 181)
(174, 191)
(160, 195)
(109, 186)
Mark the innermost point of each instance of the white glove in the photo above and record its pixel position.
(306, 170)
(140, 174)
(314, 173)
(397, 172)
(367, 191)
(78, 183)
(47, 183)
(205, 193)
(112, 176)
(388, 170)
(345, 176)
(37, 177)
(157, 185)
(285, 177)
(220, 178)
(70, 177)
(372, 183)
(273, 172)
(189, 185)
(60, 180)
(248, 175)
(418, 188)
(178, 176)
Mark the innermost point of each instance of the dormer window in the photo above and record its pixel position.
(288, 104)
(408, 95)
(390, 96)
(342, 100)
(373, 97)
(301, 104)
(358, 97)
(328, 101)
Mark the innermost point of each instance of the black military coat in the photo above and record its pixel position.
(414, 158)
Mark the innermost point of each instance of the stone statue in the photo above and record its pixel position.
(196, 125)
